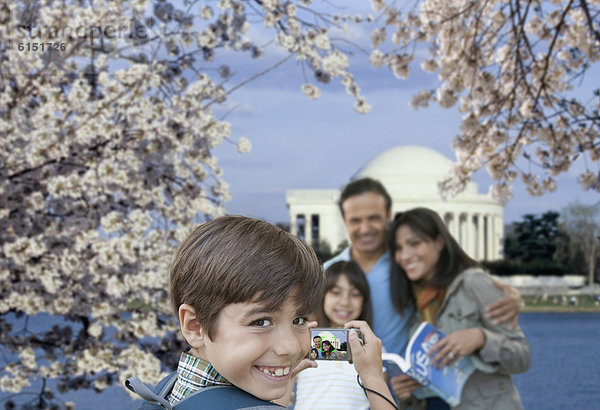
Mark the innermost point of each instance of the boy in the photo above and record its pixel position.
(242, 290)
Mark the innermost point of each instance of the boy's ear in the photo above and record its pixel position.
(190, 328)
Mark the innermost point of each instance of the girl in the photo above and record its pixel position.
(451, 291)
(332, 385)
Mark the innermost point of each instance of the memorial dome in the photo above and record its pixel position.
(409, 170)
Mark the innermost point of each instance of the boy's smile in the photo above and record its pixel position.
(256, 349)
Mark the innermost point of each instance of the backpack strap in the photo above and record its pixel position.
(223, 398)
(212, 397)
(155, 398)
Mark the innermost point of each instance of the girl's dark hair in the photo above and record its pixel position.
(429, 226)
(357, 278)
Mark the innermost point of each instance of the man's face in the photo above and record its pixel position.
(365, 217)
(256, 348)
(317, 341)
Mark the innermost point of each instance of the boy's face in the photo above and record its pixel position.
(256, 349)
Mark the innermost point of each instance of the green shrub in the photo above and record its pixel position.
(536, 267)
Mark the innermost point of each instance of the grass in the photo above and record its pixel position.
(561, 303)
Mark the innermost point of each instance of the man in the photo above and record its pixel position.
(317, 343)
(366, 208)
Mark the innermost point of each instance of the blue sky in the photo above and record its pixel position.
(300, 143)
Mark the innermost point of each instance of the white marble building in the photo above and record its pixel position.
(410, 174)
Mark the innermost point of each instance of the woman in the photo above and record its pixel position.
(451, 291)
(328, 351)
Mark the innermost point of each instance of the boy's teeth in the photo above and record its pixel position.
(277, 372)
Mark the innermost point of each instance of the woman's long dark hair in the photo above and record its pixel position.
(327, 352)
(429, 226)
(356, 277)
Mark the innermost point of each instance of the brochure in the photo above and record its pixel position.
(446, 383)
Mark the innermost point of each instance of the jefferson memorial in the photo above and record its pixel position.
(410, 174)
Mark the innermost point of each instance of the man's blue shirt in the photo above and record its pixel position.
(388, 325)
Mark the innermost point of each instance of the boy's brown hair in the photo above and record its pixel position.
(236, 259)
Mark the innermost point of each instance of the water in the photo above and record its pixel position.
(565, 370)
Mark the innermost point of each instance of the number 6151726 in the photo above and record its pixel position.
(41, 46)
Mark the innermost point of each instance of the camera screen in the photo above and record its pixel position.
(329, 344)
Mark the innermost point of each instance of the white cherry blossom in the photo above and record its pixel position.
(109, 163)
(512, 68)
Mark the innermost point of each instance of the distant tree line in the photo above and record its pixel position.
(324, 252)
(322, 247)
(552, 243)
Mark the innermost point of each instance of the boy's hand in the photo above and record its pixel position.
(366, 356)
(403, 386)
(507, 308)
(368, 364)
(305, 363)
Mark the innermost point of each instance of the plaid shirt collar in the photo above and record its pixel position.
(194, 373)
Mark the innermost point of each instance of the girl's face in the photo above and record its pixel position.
(313, 354)
(326, 347)
(343, 302)
(416, 255)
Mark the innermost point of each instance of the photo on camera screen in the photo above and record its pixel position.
(329, 344)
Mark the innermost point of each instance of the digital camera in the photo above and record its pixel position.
(331, 343)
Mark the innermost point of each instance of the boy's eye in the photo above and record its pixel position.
(262, 322)
(300, 321)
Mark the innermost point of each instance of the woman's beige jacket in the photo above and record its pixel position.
(505, 351)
